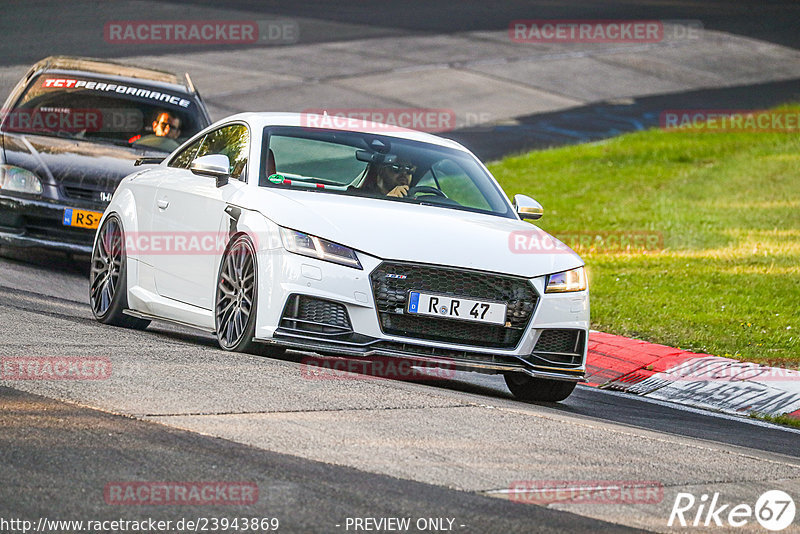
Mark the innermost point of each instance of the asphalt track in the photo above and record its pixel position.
(59, 471)
(177, 408)
(56, 457)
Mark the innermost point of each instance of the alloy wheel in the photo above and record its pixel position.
(235, 294)
(106, 266)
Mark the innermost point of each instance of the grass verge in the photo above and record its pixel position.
(725, 276)
(778, 419)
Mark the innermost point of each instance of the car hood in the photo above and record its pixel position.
(96, 166)
(417, 233)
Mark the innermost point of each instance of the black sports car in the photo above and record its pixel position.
(70, 130)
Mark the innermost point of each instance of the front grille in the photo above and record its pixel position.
(309, 314)
(392, 282)
(54, 229)
(78, 191)
(81, 193)
(560, 346)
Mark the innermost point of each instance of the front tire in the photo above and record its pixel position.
(108, 282)
(236, 298)
(234, 305)
(528, 388)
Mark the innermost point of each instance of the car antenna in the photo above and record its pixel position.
(189, 83)
(193, 90)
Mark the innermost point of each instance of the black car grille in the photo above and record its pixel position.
(53, 229)
(392, 282)
(77, 191)
(309, 314)
(81, 193)
(560, 347)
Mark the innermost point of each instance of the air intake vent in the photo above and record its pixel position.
(310, 314)
(560, 347)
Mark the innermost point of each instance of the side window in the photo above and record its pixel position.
(454, 182)
(187, 155)
(232, 141)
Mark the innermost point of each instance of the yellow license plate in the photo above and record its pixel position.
(82, 218)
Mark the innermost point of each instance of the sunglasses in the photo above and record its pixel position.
(166, 125)
(402, 168)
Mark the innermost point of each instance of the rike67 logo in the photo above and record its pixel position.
(774, 510)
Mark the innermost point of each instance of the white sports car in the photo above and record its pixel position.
(366, 242)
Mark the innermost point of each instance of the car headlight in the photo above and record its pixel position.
(316, 247)
(566, 281)
(20, 180)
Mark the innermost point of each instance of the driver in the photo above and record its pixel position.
(166, 129)
(394, 179)
(166, 125)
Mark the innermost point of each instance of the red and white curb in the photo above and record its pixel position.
(692, 379)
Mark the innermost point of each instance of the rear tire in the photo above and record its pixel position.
(528, 388)
(108, 282)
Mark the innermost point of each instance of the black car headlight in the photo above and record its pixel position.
(20, 180)
(316, 247)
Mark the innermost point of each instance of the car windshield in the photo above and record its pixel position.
(377, 166)
(102, 110)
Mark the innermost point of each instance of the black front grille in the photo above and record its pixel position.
(309, 314)
(392, 282)
(89, 192)
(54, 229)
(81, 193)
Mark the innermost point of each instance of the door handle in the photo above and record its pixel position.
(163, 204)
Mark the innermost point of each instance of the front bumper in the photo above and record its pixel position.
(283, 276)
(460, 360)
(29, 222)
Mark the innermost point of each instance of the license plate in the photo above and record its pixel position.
(457, 308)
(82, 218)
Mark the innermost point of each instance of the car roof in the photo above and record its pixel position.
(264, 119)
(71, 64)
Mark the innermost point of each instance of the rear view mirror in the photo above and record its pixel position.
(374, 157)
(214, 165)
(527, 208)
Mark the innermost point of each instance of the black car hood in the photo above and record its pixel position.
(68, 162)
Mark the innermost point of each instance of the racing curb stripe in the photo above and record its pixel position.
(700, 380)
(615, 359)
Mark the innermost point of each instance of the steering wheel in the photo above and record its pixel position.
(413, 191)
